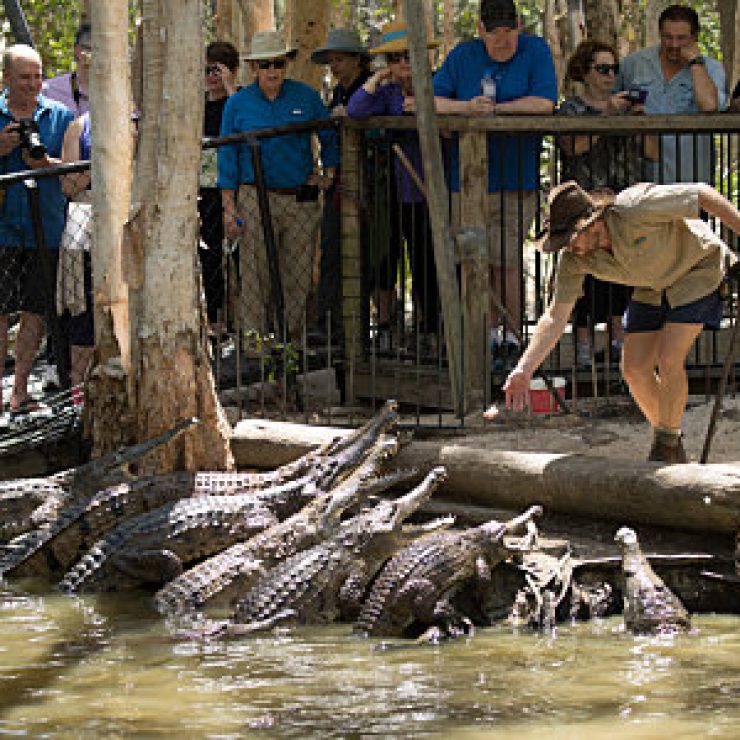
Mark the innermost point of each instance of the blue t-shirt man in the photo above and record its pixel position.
(16, 226)
(525, 83)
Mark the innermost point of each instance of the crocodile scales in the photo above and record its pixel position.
(154, 547)
(415, 585)
(232, 572)
(327, 580)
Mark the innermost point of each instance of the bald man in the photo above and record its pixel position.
(21, 285)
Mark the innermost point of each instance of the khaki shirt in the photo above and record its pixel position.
(658, 244)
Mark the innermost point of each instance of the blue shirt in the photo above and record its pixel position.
(530, 72)
(16, 229)
(287, 160)
(643, 69)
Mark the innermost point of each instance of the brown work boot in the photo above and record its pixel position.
(667, 448)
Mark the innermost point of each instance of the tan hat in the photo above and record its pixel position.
(395, 38)
(269, 45)
(569, 205)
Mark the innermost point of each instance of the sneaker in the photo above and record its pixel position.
(50, 379)
(670, 454)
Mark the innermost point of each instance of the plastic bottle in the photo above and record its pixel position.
(488, 86)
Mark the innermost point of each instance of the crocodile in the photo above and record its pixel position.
(27, 503)
(650, 607)
(233, 571)
(326, 582)
(412, 591)
(51, 549)
(152, 548)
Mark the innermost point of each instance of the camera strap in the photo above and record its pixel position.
(75, 85)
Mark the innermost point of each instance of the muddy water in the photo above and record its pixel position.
(105, 667)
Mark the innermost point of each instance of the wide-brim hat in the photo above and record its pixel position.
(341, 41)
(269, 45)
(569, 205)
(394, 37)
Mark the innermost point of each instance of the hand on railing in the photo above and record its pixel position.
(481, 106)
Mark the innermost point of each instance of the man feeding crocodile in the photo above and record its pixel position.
(650, 237)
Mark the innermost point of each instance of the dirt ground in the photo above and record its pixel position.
(614, 430)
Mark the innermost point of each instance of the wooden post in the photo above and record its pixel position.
(306, 26)
(351, 250)
(473, 253)
(444, 259)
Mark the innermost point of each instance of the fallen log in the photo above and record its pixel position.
(697, 497)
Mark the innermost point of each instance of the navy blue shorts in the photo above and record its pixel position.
(642, 317)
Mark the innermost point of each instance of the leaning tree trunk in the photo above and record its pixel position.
(171, 371)
(306, 26)
(729, 31)
(109, 416)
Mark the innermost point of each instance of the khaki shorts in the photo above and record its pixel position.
(514, 227)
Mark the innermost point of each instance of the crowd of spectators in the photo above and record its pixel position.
(503, 71)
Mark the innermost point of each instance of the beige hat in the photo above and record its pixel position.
(269, 45)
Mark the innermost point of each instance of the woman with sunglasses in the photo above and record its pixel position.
(388, 92)
(595, 163)
(222, 65)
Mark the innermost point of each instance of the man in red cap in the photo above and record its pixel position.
(650, 237)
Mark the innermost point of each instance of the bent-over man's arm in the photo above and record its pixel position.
(547, 332)
(715, 204)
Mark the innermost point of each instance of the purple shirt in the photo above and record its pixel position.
(62, 90)
(388, 101)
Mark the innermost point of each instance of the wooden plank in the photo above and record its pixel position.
(351, 251)
(473, 254)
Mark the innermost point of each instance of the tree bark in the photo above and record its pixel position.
(171, 373)
(703, 498)
(109, 416)
(306, 26)
(729, 31)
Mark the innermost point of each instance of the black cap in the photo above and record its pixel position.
(498, 14)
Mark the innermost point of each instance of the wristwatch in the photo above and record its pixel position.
(697, 60)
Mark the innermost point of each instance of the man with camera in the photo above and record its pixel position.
(31, 133)
(675, 77)
(293, 186)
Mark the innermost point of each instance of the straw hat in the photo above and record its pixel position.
(395, 38)
(569, 204)
(341, 40)
(269, 45)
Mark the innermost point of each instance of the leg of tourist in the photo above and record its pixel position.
(26, 346)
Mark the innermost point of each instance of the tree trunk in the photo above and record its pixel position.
(448, 27)
(554, 29)
(729, 31)
(171, 372)
(306, 26)
(692, 497)
(111, 423)
(653, 9)
(602, 20)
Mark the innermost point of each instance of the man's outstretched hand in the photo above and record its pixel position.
(516, 388)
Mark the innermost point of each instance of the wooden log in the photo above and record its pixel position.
(703, 498)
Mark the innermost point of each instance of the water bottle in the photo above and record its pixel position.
(488, 86)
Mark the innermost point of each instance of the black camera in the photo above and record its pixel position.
(307, 193)
(30, 139)
(636, 95)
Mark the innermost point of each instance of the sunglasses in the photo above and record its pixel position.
(267, 63)
(604, 69)
(211, 69)
(398, 56)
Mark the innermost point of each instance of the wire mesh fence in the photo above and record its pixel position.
(323, 297)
